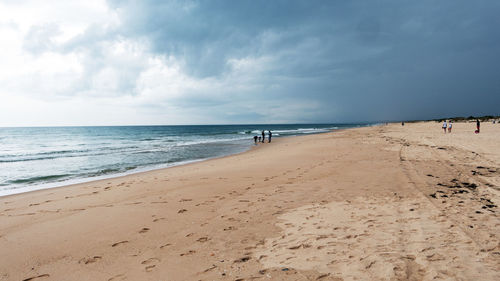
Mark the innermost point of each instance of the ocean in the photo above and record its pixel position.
(34, 158)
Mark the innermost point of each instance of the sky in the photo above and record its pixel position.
(120, 62)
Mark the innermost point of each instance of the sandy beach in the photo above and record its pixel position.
(377, 203)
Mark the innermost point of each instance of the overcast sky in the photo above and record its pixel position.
(231, 62)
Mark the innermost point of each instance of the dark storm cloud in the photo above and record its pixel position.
(370, 59)
(347, 60)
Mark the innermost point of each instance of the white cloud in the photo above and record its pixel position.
(69, 62)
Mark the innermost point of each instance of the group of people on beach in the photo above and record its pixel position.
(449, 126)
(263, 137)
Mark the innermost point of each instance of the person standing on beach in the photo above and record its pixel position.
(263, 136)
(478, 124)
(270, 135)
(255, 139)
(449, 127)
(444, 126)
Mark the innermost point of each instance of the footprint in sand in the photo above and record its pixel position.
(150, 261)
(202, 239)
(134, 203)
(181, 211)
(117, 277)
(119, 243)
(149, 268)
(243, 259)
(166, 245)
(159, 202)
(144, 230)
(190, 252)
(88, 260)
(36, 277)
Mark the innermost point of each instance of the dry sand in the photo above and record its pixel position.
(378, 203)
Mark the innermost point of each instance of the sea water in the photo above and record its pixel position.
(42, 157)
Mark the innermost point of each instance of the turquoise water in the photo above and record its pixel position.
(43, 157)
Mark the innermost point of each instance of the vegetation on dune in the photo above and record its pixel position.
(484, 118)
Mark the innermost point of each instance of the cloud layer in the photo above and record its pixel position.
(199, 62)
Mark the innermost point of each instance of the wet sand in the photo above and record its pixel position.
(377, 203)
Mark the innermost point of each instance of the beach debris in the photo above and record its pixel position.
(487, 200)
(489, 206)
(471, 186)
(181, 211)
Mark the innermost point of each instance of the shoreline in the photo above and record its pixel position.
(376, 202)
(78, 181)
(70, 183)
(119, 175)
(120, 152)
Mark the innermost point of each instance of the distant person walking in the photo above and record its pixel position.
(449, 127)
(270, 135)
(445, 126)
(478, 125)
(255, 139)
(263, 136)
(402, 123)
